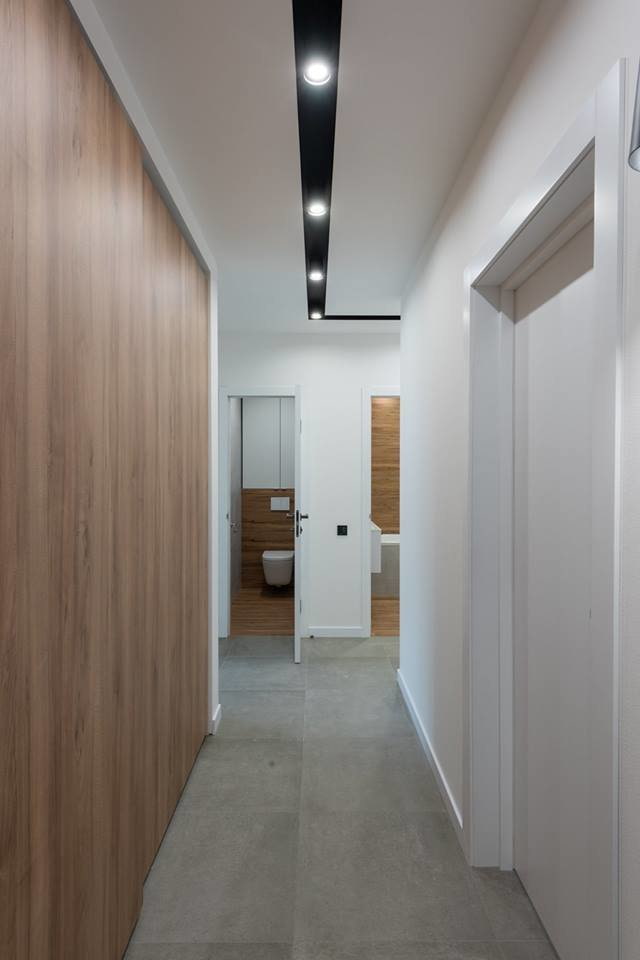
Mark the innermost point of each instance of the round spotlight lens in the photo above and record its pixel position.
(316, 276)
(317, 208)
(317, 73)
(316, 315)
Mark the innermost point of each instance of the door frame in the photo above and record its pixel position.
(224, 600)
(488, 801)
(367, 395)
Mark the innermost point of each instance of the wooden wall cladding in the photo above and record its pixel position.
(263, 529)
(103, 501)
(385, 463)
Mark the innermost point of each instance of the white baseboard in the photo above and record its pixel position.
(339, 632)
(449, 800)
(215, 720)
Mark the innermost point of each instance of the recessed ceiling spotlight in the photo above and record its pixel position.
(316, 315)
(317, 208)
(316, 275)
(317, 73)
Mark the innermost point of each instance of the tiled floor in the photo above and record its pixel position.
(312, 829)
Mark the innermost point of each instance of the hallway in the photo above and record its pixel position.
(311, 828)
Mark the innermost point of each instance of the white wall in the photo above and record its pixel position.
(568, 49)
(261, 443)
(630, 586)
(268, 443)
(332, 369)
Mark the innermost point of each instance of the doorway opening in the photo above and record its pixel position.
(262, 498)
(261, 523)
(381, 464)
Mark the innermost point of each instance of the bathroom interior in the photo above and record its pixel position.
(385, 516)
(262, 504)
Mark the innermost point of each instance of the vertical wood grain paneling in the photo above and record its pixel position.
(385, 463)
(263, 529)
(12, 706)
(103, 500)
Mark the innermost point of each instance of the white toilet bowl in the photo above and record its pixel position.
(278, 567)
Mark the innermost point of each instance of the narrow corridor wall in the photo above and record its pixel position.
(103, 500)
(569, 48)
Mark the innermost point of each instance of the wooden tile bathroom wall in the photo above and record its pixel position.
(263, 529)
(385, 463)
(103, 501)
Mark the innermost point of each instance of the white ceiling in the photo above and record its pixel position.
(217, 81)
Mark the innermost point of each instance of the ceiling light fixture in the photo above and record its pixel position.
(317, 73)
(317, 208)
(316, 45)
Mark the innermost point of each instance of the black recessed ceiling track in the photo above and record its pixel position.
(316, 29)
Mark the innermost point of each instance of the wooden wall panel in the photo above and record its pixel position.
(385, 463)
(103, 500)
(12, 260)
(263, 529)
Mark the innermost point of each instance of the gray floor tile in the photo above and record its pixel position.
(322, 648)
(281, 647)
(209, 951)
(224, 645)
(435, 950)
(375, 877)
(254, 715)
(313, 813)
(351, 774)
(349, 673)
(349, 713)
(168, 951)
(508, 907)
(223, 878)
(528, 950)
(256, 774)
(261, 673)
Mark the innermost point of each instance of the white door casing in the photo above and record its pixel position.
(537, 216)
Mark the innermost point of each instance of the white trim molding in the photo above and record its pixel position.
(214, 723)
(443, 785)
(346, 633)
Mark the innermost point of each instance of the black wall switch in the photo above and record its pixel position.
(342, 529)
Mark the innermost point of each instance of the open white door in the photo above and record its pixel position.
(300, 523)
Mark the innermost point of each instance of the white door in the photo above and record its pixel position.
(563, 784)
(301, 523)
(235, 494)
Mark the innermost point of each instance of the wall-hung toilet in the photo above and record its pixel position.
(278, 567)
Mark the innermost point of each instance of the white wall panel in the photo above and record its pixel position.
(260, 443)
(235, 491)
(287, 442)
